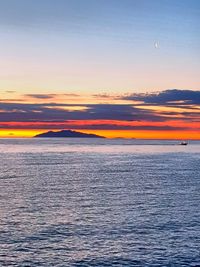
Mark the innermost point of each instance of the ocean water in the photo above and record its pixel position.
(92, 202)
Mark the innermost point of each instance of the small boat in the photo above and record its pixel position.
(183, 143)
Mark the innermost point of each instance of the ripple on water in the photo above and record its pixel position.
(137, 206)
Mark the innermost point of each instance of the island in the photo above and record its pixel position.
(66, 133)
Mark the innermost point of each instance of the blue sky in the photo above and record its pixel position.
(118, 67)
(104, 45)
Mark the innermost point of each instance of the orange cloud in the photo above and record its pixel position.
(83, 123)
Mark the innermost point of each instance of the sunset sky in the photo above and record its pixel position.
(119, 68)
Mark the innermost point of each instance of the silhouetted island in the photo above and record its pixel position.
(67, 133)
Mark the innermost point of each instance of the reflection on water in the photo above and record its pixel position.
(99, 203)
(96, 145)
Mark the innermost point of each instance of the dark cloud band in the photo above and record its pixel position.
(56, 112)
(173, 96)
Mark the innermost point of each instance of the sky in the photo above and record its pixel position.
(121, 68)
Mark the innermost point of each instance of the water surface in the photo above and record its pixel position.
(92, 202)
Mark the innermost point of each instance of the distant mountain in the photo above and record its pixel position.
(67, 133)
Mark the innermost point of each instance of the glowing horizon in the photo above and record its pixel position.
(175, 135)
(169, 114)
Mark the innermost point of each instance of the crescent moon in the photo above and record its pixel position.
(156, 45)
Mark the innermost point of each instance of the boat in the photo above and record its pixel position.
(183, 143)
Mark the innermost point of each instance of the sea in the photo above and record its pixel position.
(99, 202)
